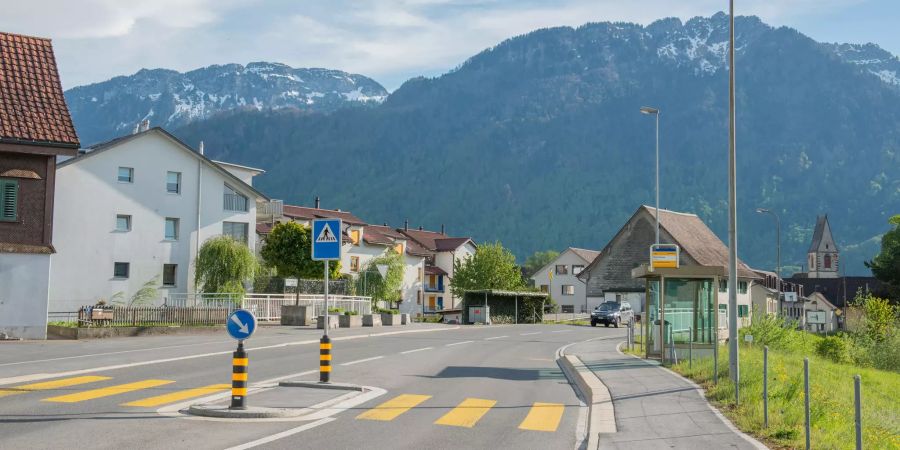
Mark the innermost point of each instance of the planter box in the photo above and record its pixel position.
(333, 322)
(390, 319)
(405, 319)
(346, 321)
(371, 320)
(296, 315)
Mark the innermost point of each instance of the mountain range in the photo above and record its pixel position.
(538, 141)
(171, 99)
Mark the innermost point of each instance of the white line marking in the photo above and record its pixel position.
(45, 376)
(458, 343)
(283, 434)
(495, 337)
(562, 331)
(361, 361)
(529, 334)
(417, 350)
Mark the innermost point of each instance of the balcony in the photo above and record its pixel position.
(431, 288)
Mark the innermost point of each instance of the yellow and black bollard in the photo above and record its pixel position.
(324, 359)
(239, 378)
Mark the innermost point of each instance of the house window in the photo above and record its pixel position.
(126, 175)
(234, 200)
(576, 269)
(723, 285)
(171, 229)
(236, 230)
(354, 263)
(399, 249)
(421, 274)
(743, 310)
(561, 269)
(568, 289)
(567, 309)
(354, 237)
(121, 269)
(742, 287)
(173, 182)
(170, 274)
(545, 288)
(9, 200)
(827, 261)
(123, 222)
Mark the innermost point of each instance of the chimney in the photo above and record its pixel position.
(420, 228)
(317, 202)
(200, 148)
(406, 225)
(145, 124)
(385, 224)
(442, 229)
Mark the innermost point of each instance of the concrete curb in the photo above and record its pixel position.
(601, 413)
(320, 385)
(252, 412)
(702, 392)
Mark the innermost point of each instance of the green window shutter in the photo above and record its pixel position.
(743, 310)
(9, 200)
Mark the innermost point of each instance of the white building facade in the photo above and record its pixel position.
(560, 279)
(135, 211)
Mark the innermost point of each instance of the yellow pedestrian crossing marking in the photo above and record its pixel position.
(467, 413)
(543, 417)
(180, 395)
(392, 408)
(47, 385)
(107, 391)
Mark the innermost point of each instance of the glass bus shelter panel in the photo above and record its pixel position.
(689, 310)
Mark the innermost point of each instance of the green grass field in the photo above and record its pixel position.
(831, 399)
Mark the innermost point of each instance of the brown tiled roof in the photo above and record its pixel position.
(263, 228)
(415, 249)
(434, 270)
(32, 107)
(26, 248)
(434, 241)
(585, 254)
(302, 212)
(380, 235)
(449, 244)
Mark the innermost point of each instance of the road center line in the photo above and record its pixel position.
(458, 343)
(495, 337)
(417, 350)
(529, 334)
(361, 361)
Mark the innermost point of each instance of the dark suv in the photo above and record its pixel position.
(612, 313)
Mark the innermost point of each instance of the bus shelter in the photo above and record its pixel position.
(681, 309)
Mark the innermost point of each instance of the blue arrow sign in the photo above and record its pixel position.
(241, 324)
(326, 239)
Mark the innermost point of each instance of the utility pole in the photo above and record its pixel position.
(655, 112)
(733, 366)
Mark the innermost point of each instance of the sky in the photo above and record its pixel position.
(387, 40)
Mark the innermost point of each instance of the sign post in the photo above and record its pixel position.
(326, 247)
(241, 325)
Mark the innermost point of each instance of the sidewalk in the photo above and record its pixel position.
(654, 408)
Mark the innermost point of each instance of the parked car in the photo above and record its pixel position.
(612, 313)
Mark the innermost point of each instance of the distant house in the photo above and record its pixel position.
(443, 252)
(136, 210)
(609, 276)
(560, 279)
(35, 128)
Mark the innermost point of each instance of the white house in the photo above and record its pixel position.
(443, 252)
(560, 279)
(135, 210)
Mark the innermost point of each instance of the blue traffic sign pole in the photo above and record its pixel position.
(326, 239)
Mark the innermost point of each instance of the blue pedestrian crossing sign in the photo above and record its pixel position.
(326, 237)
(241, 324)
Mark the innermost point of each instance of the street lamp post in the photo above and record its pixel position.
(733, 366)
(777, 251)
(655, 112)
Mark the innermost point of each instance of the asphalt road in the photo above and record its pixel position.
(441, 387)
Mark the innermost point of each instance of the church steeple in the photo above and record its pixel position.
(822, 256)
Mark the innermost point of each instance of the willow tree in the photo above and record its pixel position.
(223, 265)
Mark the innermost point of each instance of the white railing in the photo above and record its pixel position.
(268, 306)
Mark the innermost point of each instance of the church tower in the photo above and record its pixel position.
(822, 257)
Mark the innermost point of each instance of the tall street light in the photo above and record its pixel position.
(777, 251)
(655, 112)
(733, 366)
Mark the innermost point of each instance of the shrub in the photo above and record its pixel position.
(351, 313)
(835, 348)
(336, 310)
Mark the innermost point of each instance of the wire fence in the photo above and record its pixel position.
(151, 316)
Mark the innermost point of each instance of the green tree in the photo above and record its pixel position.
(223, 265)
(886, 265)
(387, 288)
(491, 267)
(880, 316)
(288, 249)
(537, 260)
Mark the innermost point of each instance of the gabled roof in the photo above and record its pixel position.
(303, 212)
(434, 270)
(822, 227)
(587, 255)
(690, 233)
(434, 241)
(109, 145)
(32, 107)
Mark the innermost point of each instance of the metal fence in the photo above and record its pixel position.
(151, 316)
(268, 306)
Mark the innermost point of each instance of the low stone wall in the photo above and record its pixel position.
(55, 331)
